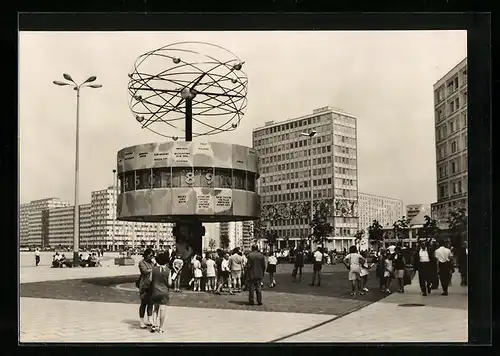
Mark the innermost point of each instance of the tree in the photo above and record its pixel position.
(258, 229)
(271, 238)
(430, 229)
(457, 224)
(162, 242)
(321, 228)
(211, 244)
(143, 243)
(400, 228)
(375, 233)
(359, 236)
(224, 241)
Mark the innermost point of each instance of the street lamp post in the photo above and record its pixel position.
(76, 222)
(310, 135)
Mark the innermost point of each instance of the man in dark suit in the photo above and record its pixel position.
(256, 267)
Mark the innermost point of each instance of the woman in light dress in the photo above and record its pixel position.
(197, 273)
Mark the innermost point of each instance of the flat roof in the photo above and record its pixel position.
(328, 109)
(460, 64)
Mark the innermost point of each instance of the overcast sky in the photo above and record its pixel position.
(383, 78)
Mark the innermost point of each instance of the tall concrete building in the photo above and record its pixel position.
(286, 153)
(33, 222)
(412, 210)
(50, 222)
(234, 230)
(211, 233)
(383, 209)
(450, 108)
(247, 235)
(61, 226)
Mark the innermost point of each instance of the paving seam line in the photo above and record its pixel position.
(323, 322)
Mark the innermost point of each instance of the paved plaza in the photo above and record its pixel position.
(96, 312)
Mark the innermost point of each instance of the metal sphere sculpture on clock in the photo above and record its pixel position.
(199, 84)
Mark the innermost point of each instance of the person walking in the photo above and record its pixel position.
(423, 266)
(145, 269)
(462, 255)
(37, 256)
(399, 268)
(443, 258)
(298, 264)
(365, 271)
(256, 265)
(272, 261)
(235, 266)
(161, 280)
(318, 259)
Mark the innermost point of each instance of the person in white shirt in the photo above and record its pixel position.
(353, 261)
(423, 266)
(443, 258)
(272, 261)
(318, 258)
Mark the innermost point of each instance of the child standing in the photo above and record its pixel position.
(197, 274)
(272, 261)
(177, 266)
(161, 281)
(210, 271)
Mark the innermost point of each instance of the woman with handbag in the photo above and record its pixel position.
(144, 284)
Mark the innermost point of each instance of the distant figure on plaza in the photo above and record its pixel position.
(236, 267)
(318, 259)
(56, 260)
(272, 261)
(462, 255)
(161, 280)
(389, 271)
(37, 257)
(255, 270)
(177, 265)
(353, 262)
(423, 264)
(145, 269)
(443, 257)
(298, 264)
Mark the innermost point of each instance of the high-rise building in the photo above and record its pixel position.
(328, 138)
(49, 223)
(247, 235)
(123, 233)
(234, 230)
(412, 210)
(33, 223)
(61, 225)
(211, 233)
(383, 209)
(450, 108)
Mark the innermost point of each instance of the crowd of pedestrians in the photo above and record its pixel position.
(239, 271)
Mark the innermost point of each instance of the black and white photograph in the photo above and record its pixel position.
(243, 186)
